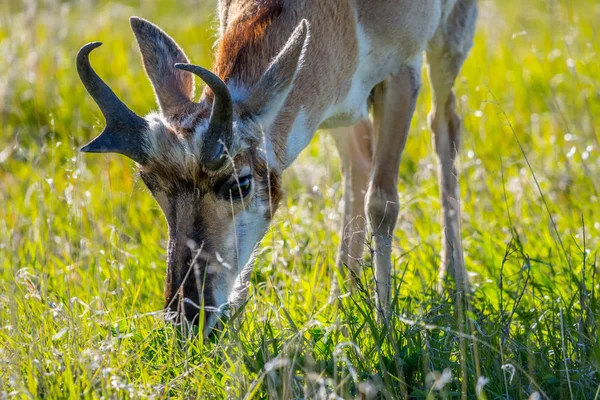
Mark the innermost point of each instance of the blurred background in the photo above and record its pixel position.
(82, 243)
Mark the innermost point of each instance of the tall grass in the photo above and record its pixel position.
(82, 243)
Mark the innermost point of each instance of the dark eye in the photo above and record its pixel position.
(240, 188)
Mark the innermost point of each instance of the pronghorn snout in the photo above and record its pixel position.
(189, 309)
(191, 299)
(188, 285)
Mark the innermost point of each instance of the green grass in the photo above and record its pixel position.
(82, 243)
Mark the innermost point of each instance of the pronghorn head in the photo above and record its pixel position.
(204, 162)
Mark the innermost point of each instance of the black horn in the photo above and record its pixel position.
(219, 134)
(124, 129)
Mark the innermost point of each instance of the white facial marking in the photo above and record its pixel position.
(248, 229)
(221, 295)
(240, 288)
(250, 226)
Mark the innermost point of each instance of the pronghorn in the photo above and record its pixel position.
(285, 68)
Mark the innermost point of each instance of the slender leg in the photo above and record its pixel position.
(354, 146)
(393, 109)
(445, 57)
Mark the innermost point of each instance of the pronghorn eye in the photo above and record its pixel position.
(240, 188)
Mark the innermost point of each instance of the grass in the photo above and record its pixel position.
(82, 243)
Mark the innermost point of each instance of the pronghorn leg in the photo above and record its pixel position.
(445, 56)
(394, 104)
(354, 145)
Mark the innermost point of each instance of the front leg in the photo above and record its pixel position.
(354, 145)
(394, 104)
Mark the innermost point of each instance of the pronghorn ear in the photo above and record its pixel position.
(271, 91)
(172, 87)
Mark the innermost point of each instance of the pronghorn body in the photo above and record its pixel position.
(286, 68)
(354, 46)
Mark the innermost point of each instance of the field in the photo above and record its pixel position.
(82, 242)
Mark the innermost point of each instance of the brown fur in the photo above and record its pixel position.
(354, 46)
(255, 31)
(252, 34)
(243, 52)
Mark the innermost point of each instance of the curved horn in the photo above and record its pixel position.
(124, 129)
(219, 134)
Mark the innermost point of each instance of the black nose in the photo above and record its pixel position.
(190, 309)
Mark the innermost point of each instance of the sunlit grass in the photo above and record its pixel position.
(82, 242)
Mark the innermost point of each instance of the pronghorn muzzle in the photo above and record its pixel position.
(189, 285)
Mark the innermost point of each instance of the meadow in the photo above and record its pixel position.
(82, 242)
